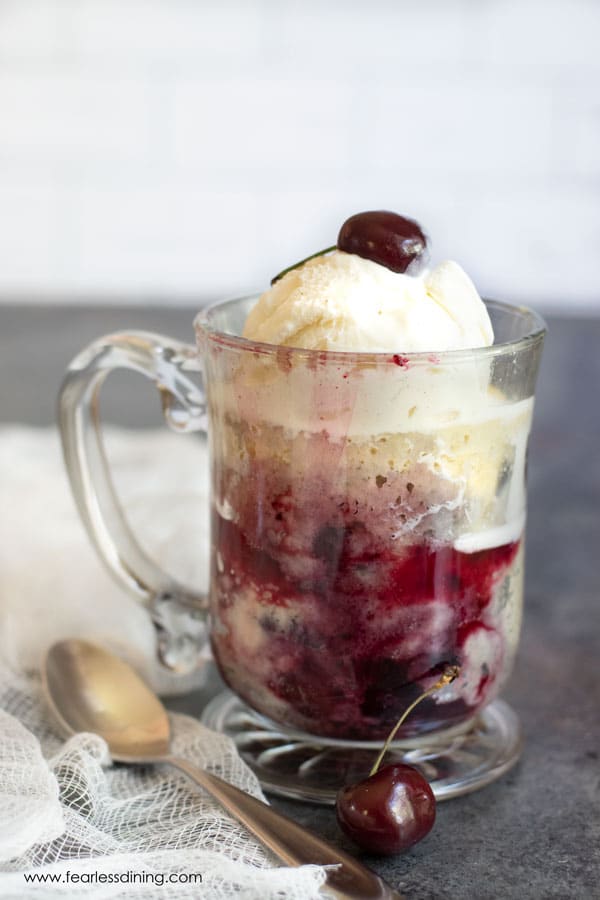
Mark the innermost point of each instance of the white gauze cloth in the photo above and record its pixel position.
(86, 828)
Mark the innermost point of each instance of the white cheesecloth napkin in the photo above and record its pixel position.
(72, 825)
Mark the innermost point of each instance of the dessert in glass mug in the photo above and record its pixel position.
(368, 436)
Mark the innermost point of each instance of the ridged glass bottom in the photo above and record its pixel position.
(294, 764)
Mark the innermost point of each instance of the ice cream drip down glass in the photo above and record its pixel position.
(368, 514)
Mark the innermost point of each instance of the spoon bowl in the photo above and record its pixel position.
(89, 689)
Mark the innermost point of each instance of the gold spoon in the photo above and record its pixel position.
(89, 689)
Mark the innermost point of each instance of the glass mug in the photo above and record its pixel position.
(367, 526)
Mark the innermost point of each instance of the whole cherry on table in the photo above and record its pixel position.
(394, 807)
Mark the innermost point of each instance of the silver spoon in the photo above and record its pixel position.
(89, 689)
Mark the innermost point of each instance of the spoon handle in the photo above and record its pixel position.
(293, 844)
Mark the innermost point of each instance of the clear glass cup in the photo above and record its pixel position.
(368, 513)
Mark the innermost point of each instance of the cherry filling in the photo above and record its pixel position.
(339, 640)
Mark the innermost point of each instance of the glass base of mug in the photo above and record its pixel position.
(305, 767)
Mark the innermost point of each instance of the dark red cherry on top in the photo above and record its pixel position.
(385, 237)
(389, 811)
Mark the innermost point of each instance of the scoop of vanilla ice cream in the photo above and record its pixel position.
(341, 301)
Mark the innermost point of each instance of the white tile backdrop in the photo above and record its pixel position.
(179, 150)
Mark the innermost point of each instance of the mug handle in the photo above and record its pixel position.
(179, 613)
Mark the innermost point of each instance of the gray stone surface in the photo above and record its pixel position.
(535, 834)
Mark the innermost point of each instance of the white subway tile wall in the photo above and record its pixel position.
(182, 150)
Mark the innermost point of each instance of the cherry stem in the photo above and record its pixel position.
(301, 263)
(448, 676)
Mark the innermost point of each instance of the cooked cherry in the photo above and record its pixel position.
(385, 237)
(389, 811)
